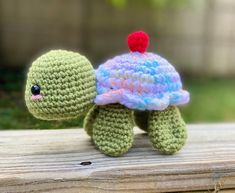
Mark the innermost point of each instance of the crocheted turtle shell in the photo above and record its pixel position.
(139, 80)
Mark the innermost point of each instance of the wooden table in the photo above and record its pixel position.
(62, 161)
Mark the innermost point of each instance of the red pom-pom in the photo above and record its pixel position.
(138, 41)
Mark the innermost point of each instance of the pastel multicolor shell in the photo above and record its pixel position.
(142, 81)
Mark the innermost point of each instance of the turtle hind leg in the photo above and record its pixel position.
(167, 130)
(90, 119)
(141, 119)
(113, 129)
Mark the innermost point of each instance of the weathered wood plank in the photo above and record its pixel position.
(50, 161)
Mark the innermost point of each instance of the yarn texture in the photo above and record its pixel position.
(67, 85)
(139, 81)
(89, 120)
(138, 41)
(113, 129)
(167, 130)
(137, 88)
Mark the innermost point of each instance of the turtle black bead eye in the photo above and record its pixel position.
(35, 89)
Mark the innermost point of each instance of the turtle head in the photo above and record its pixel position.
(60, 85)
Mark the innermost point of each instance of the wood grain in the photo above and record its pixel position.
(50, 161)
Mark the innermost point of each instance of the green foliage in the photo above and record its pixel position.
(118, 3)
(159, 4)
(211, 100)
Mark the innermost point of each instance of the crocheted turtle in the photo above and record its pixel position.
(138, 87)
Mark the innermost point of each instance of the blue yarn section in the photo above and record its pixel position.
(139, 81)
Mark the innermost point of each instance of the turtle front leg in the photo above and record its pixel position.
(167, 130)
(113, 129)
(90, 119)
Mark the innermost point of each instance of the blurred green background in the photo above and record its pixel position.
(197, 36)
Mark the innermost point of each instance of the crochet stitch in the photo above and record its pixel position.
(113, 129)
(139, 81)
(67, 85)
(167, 130)
(138, 41)
(139, 88)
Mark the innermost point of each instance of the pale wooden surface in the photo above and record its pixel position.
(49, 161)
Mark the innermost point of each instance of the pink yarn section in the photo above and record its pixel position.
(139, 81)
(146, 102)
(36, 97)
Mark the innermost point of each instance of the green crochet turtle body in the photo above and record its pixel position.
(63, 85)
